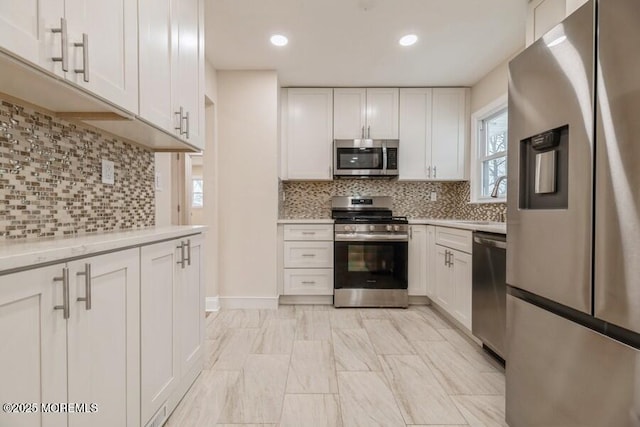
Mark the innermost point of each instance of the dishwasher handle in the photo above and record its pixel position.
(490, 242)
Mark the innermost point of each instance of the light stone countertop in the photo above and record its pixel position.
(487, 226)
(306, 221)
(21, 254)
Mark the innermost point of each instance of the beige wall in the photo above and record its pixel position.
(490, 87)
(210, 177)
(247, 127)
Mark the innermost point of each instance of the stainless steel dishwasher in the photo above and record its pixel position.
(489, 298)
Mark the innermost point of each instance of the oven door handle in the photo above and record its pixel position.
(371, 237)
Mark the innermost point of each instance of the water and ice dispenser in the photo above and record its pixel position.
(544, 163)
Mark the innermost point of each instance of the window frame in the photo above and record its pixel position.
(477, 149)
(193, 193)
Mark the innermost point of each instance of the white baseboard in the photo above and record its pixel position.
(212, 304)
(267, 303)
(419, 300)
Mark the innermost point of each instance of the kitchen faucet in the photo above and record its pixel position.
(494, 193)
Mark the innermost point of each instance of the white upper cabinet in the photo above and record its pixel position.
(157, 58)
(172, 67)
(188, 89)
(307, 145)
(92, 43)
(433, 134)
(103, 42)
(349, 113)
(32, 30)
(382, 113)
(366, 113)
(414, 157)
(450, 119)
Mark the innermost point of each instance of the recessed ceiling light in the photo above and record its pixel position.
(408, 40)
(279, 40)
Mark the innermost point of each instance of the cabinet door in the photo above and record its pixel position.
(349, 113)
(448, 134)
(382, 113)
(111, 56)
(444, 285)
(309, 134)
(190, 307)
(25, 31)
(415, 134)
(417, 260)
(431, 262)
(462, 285)
(33, 358)
(157, 60)
(189, 87)
(159, 362)
(103, 339)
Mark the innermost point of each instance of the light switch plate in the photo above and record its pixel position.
(108, 172)
(434, 196)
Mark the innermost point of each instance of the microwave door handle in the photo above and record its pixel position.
(384, 159)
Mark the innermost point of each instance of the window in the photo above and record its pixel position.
(196, 193)
(490, 150)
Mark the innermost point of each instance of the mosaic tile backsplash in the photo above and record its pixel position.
(305, 200)
(50, 178)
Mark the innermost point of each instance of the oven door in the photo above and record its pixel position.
(370, 265)
(358, 157)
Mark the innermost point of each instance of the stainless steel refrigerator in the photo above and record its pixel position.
(573, 232)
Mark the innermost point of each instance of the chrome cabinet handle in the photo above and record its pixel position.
(309, 233)
(65, 293)
(87, 286)
(362, 132)
(369, 131)
(64, 51)
(187, 127)
(179, 114)
(85, 57)
(411, 233)
(182, 261)
(428, 171)
(308, 255)
(435, 174)
(308, 282)
(188, 251)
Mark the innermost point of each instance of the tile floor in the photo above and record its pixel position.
(320, 366)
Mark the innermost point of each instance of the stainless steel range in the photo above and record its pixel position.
(370, 253)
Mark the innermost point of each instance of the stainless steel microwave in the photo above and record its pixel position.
(365, 157)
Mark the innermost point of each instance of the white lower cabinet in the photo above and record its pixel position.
(118, 335)
(307, 259)
(172, 322)
(417, 263)
(70, 334)
(453, 281)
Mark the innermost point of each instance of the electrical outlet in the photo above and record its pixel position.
(108, 172)
(434, 196)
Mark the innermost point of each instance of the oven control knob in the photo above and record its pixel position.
(372, 228)
(396, 228)
(389, 228)
(347, 228)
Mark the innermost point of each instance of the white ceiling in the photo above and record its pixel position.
(355, 42)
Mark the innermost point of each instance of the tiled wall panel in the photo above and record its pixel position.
(411, 199)
(50, 178)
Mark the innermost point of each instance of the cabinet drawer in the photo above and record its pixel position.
(454, 238)
(308, 232)
(308, 254)
(308, 281)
